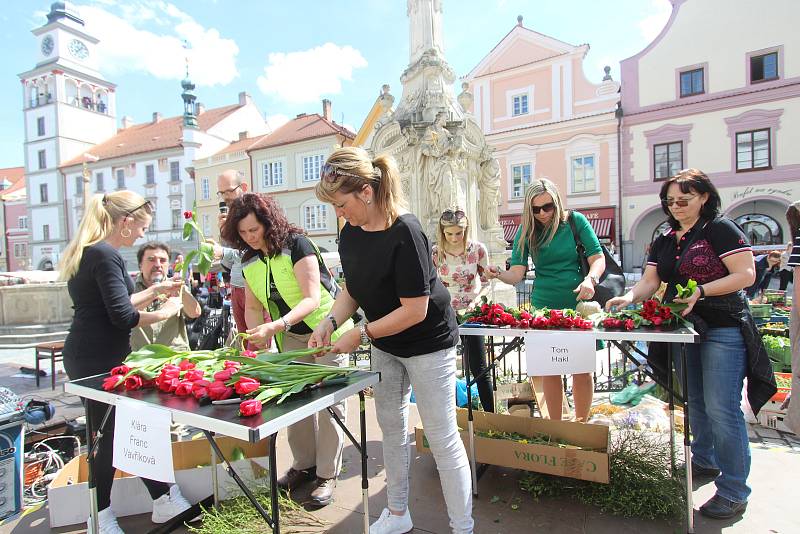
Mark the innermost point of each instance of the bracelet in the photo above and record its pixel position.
(369, 335)
(286, 324)
(332, 319)
(365, 340)
(702, 292)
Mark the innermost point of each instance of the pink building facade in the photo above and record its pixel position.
(720, 93)
(545, 119)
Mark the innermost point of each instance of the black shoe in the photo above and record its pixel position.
(698, 471)
(294, 478)
(721, 508)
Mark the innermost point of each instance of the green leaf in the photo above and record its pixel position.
(269, 394)
(203, 265)
(297, 388)
(188, 227)
(151, 352)
(207, 251)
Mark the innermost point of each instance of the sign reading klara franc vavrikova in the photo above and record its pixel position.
(142, 444)
(559, 353)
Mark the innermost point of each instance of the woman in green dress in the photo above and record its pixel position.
(545, 235)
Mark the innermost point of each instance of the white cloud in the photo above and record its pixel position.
(651, 25)
(128, 45)
(276, 121)
(304, 76)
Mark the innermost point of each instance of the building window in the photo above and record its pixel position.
(43, 193)
(760, 229)
(175, 171)
(753, 150)
(22, 222)
(40, 126)
(519, 105)
(149, 174)
(42, 159)
(520, 179)
(176, 219)
(206, 224)
(205, 188)
(120, 179)
(46, 232)
(273, 173)
(20, 250)
(692, 82)
(311, 166)
(667, 160)
(315, 217)
(101, 182)
(764, 68)
(78, 185)
(583, 174)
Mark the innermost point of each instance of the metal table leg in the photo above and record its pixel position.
(687, 450)
(671, 391)
(91, 444)
(214, 475)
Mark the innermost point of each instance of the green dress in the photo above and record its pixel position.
(557, 270)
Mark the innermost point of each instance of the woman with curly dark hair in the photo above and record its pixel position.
(285, 274)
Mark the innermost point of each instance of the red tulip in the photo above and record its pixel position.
(249, 354)
(120, 370)
(184, 388)
(187, 214)
(224, 375)
(168, 384)
(185, 365)
(133, 382)
(194, 375)
(170, 371)
(250, 407)
(246, 385)
(199, 392)
(111, 383)
(219, 391)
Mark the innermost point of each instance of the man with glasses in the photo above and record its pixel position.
(230, 187)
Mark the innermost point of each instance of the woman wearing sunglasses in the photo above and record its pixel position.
(106, 311)
(546, 236)
(462, 265)
(411, 325)
(285, 275)
(713, 251)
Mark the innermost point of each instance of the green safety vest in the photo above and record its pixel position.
(257, 271)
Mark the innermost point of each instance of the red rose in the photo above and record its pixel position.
(111, 383)
(246, 385)
(133, 382)
(185, 365)
(224, 375)
(250, 407)
(120, 370)
(193, 374)
(184, 388)
(629, 324)
(168, 385)
(249, 354)
(657, 320)
(219, 391)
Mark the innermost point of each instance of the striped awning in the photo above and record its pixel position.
(602, 227)
(509, 229)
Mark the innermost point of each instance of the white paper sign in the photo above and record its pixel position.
(142, 444)
(559, 353)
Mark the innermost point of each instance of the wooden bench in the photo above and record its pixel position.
(52, 351)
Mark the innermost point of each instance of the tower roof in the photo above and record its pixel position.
(63, 10)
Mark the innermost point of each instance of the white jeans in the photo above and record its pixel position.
(433, 378)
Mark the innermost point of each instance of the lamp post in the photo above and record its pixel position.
(87, 177)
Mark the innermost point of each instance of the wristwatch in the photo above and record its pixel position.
(365, 340)
(595, 279)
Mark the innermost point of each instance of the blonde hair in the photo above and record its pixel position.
(380, 173)
(441, 240)
(97, 224)
(534, 234)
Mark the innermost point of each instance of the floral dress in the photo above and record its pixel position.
(463, 275)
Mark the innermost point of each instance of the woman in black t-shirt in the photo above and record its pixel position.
(390, 274)
(714, 252)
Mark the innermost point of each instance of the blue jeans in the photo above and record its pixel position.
(716, 371)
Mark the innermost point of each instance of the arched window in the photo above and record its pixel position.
(761, 229)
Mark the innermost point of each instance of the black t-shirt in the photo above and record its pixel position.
(298, 247)
(382, 267)
(794, 257)
(709, 243)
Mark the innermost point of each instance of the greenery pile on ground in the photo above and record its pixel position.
(641, 484)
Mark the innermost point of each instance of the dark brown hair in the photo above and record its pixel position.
(277, 229)
(151, 245)
(793, 218)
(692, 181)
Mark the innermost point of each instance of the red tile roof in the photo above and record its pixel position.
(302, 128)
(151, 136)
(15, 175)
(242, 144)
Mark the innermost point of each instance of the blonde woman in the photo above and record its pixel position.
(545, 235)
(411, 325)
(462, 265)
(106, 310)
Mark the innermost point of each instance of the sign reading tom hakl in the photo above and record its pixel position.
(559, 353)
(142, 441)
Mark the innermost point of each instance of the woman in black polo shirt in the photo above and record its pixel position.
(713, 251)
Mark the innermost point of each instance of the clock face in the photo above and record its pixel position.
(47, 45)
(78, 49)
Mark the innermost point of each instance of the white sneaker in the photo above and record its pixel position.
(107, 522)
(388, 523)
(169, 505)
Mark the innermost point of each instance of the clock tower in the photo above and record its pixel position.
(68, 108)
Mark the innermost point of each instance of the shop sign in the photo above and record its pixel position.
(761, 191)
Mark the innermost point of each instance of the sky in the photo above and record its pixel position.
(289, 55)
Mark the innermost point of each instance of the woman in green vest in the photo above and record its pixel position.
(285, 276)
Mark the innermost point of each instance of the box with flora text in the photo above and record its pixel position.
(68, 493)
(559, 448)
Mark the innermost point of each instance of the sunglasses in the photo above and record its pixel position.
(452, 216)
(221, 194)
(681, 203)
(148, 207)
(547, 208)
(331, 174)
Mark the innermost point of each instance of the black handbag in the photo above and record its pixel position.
(612, 281)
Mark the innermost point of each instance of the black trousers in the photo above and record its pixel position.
(103, 464)
(786, 277)
(475, 351)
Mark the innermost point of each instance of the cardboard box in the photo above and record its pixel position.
(68, 494)
(515, 392)
(565, 462)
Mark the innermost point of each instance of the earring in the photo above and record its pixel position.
(122, 233)
(369, 202)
